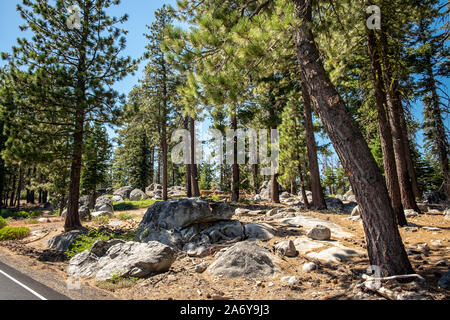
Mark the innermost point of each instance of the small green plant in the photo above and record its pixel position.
(3, 223)
(13, 233)
(125, 216)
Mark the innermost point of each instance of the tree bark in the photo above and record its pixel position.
(390, 167)
(293, 187)
(235, 166)
(302, 186)
(313, 164)
(72, 221)
(19, 189)
(384, 244)
(13, 188)
(410, 165)
(395, 112)
(255, 177)
(194, 173)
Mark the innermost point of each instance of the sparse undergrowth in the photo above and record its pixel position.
(125, 216)
(101, 220)
(117, 282)
(86, 241)
(13, 233)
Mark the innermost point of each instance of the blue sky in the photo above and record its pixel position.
(141, 13)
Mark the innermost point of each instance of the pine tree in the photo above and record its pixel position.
(70, 71)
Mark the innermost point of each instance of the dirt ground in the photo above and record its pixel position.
(330, 281)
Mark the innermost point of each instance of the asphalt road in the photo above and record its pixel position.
(14, 285)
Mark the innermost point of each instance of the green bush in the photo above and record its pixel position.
(20, 214)
(13, 233)
(131, 205)
(3, 223)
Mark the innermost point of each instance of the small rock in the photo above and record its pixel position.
(356, 212)
(436, 243)
(410, 213)
(201, 267)
(308, 267)
(286, 248)
(241, 211)
(319, 232)
(291, 280)
(411, 229)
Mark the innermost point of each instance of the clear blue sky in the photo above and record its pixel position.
(141, 13)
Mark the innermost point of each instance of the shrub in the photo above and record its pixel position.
(3, 223)
(13, 233)
(20, 214)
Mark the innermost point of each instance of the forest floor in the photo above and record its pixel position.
(336, 280)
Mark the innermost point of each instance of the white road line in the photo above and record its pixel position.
(22, 285)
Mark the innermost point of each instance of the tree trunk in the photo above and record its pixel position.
(390, 167)
(293, 187)
(384, 244)
(275, 189)
(409, 161)
(194, 173)
(19, 189)
(395, 112)
(13, 188)
(73, 219)
(158, 172)
(188, 166)
(316, 188)
(302, 186)
(255, 177)
(235, 166)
